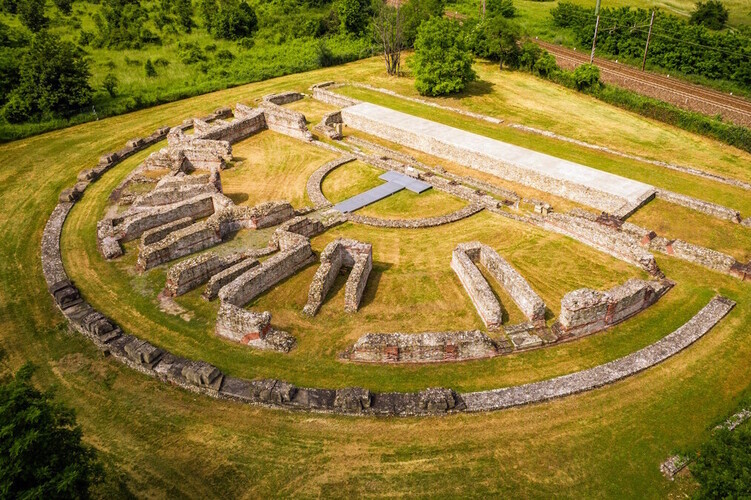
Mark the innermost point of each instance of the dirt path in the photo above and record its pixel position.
(680, 93)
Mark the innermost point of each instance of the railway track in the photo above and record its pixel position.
(680, 93)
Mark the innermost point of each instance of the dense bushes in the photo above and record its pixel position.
(675, 45)
(53, 81)
(229, 19)
(723, 465)
(442, 62)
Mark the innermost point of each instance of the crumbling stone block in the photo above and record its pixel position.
(422, 347)
(273, 391)
(436, 400)
(352, 399)
(586, 311)
(202, 374)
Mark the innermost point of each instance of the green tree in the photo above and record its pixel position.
(53, 81)
(414, 12)
(712, 14)
(41, 453)
(353, 15)
(503, 8)
(31, 13)
(149, 68)
(233, 20)
(497, 39)
(442, 62)
(723, 465)
(64, 6)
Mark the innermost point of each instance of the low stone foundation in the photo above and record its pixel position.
(477, 287)
(588, 311)
(422, 347)
(340, 253)
(705, 207)
(285, 121)
(322, 92)
(314, 181)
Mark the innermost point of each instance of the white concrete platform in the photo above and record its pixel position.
(611, 193)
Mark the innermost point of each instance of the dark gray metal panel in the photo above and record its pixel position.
(368, 197)
(412, 184)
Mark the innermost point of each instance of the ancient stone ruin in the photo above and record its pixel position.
(341, 253)
(463, 262)
(422, 347)
(586, 311)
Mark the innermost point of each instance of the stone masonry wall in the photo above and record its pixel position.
(276, 268)
(314, 181)
(322, 92)
(507, 170)
(477, 287)
(586, 311)
(422, 347)
(514, 284)
(226, 276)
(702, 206)
(191, 273)
(285, 121)
(340, 253)
(283, 98)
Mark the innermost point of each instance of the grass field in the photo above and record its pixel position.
(160, 441)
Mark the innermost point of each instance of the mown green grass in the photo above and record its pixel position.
(157, 440)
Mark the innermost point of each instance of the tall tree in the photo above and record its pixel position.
(442, 62)
(41, 453)
(388, 31)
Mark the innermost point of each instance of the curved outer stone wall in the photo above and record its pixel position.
(607, 373)
(201, 377)
(439, 220)
(588, 311)
(422, 347)
(314, 182)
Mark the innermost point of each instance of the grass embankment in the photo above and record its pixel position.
(673, 221)
(158, 440)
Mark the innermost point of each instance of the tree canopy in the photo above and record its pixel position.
(53, 81)
(41, 453)
(723, 464)
(712, 14)
(442, 62)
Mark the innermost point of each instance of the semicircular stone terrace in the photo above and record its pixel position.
(186, 212)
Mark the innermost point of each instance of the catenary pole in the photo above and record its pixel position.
(646, 47)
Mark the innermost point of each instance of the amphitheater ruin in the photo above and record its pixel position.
(173, 212)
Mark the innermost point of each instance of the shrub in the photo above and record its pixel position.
(224, 56)
(712, 14)
(41, 454)
(354, 15)
(442, 62)
(233, 20)
(503, 8)
(31, 13)
(110, 83)
(723, 465)
(586, 76)
(414, 12)
(64, 6)
(149, 69)
(161, 62)
(190, 53)
(497, 39)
